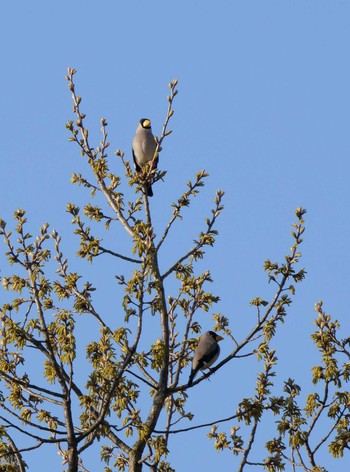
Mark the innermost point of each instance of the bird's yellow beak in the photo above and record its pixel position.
(219, 338)
(146, 124)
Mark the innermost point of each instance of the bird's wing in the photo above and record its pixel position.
(205, 355)
(155, 162)
(137, 167)
(206, 350)
(208, 354)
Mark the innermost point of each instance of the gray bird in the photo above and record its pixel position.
(143, 148)
(206, 353)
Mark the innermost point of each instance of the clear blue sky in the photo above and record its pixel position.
(263, 106)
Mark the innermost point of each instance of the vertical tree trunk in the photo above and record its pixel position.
(73, 463)
(134, 464)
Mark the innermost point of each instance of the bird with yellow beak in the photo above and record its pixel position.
(143, 148)
(206, 353)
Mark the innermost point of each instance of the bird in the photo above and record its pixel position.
(143, 148)
(206, 353)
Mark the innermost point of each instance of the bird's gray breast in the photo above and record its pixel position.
(144, 146)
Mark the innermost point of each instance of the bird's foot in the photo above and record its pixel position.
(209, 373)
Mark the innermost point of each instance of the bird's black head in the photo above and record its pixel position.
(215, 336)
(145, 123)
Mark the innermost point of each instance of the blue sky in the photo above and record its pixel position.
(263, 106)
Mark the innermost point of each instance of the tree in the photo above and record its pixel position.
(134, 395)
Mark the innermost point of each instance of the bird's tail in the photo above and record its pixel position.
(149, 190)
(191, 377)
